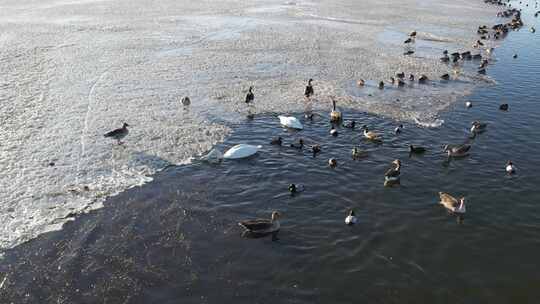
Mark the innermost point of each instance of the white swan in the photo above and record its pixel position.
(290, 122)
(241, 151)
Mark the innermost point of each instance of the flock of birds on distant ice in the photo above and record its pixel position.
(263, 227)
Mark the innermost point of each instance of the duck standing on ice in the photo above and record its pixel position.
(118, 134)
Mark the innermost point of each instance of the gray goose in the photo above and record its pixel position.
(118, 134)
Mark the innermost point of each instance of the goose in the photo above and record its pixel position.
(468, 104)
(332, 162)
(315, 149)
(335, 115)
(416, 149)
(263, 226)
(333, 132)
(369, 134)
(186, 101)
(250, 96)
(457, 151)
(445, 77)
(118, 134)
(349, 124)
(356, 153)
(478, 127)
(290, 122)
(299, 145)
(361, 82)
(381, 85)
(503, 107)
(351, 218)
(241, 151)
(452, 204)
(214, 156)
(510, 168)
(423, 79)
(277, 141)
(309, 89)
(398, 129)
(393, 174)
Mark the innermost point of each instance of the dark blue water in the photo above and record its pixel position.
(175, 240)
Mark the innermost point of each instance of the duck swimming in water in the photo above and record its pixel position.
(250, 96)
(118, 134)
(416, 149)
(332, 162)
(262, 227)
(369, 134)
(351, 218)
(411, 77)
(401, 75)
(361, 82)
(452, 204)
(445, 77)
(299, 145)
(423, 79)
(409, 52)
(457, 151)
(393, 174)
(293, 189)
(478, 127)
(503, 107)
(510, 168)
(349, 124)
(398, 129)
(468, 104)
(381, 85)
(356, 153)
(315, 149)
(333, 132)
(277, 141)
(309, 89)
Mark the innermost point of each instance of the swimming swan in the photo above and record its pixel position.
(290, 122)
(241, 151)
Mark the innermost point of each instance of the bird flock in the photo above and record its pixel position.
(263, 227)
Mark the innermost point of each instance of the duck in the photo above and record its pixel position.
(356, 153)
(361, 82)
(482, 71)
(335, 115)
(533, 29)
(478, 127)
(250, 96)
(445, 77)
(299, 145)
(293, 189)
(369, 134)
(445, 52)
(393, 174)
(416, 149)
(423, 79)
(409, 40)
(392, 80)
(263, 226)
(510, 168)
(409, 52)
(332, 162)
(351, 218)
(412, 34)
(411, 77)
(186, 101)
(468, 104)
(452, 204)
(315, 149)
(457, 151)
(290, 122)
(333, 132)
(381, 84)
(515, 56)
(503, 107)
(241, 151)
(398, 129)
(445, 59)
(278, 141)
(118, 134)
(490, 51)
(401, 75)
(484, 64)
(309, 89)
(309, 116)
(350, 124)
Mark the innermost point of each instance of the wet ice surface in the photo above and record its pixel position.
(74, 70)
